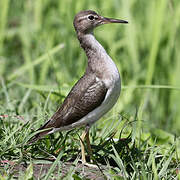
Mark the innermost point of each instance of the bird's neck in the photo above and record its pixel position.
(99, 62)
(95, 53)
(90, 44)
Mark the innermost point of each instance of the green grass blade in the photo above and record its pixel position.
(152, 87)
(166, 164)
(159, 16)
(3, 21)
(43, 88)
(37, 61)
(53, 165)
(118, 160)
(154, 169)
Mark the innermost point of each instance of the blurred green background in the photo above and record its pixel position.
(40, 54)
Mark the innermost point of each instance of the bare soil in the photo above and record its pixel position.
(40, 170)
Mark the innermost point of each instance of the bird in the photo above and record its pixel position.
(95, 93)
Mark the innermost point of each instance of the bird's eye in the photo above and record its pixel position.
(91, 17)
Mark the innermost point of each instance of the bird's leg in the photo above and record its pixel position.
(82, 147)
(85, 135)
(88, 144)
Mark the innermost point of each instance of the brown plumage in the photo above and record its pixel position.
(85, 96)
(97, 90)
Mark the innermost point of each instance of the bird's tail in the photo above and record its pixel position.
(43, 131)
(33, 139)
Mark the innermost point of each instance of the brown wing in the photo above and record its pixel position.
(87, 94)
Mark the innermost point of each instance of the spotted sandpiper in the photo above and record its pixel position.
(97, 90)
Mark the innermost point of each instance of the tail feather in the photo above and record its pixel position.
(45, 131)
(33, 139)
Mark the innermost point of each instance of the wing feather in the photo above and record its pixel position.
(87, 94)
(80, 101)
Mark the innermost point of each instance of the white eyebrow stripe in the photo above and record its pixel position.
(81, 18)
(84, 17)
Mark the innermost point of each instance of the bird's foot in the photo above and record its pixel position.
(89, 165)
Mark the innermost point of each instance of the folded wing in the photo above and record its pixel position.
(87, 94)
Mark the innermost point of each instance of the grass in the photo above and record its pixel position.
(40, 60)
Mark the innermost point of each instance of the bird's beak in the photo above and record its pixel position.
(105, 20)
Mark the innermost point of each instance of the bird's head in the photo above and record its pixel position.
(86, 21)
